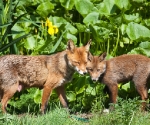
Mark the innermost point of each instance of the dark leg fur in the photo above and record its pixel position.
(45, 97)
(113, 92)
(7, 95)
(62, 96)
(144, 96)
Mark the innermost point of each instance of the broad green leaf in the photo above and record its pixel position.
(70, 36)
(138, 50)
(71, 96)
(71, 28)
(80, 27)
(145, 45)
(30, 43)
(130, 18)
(136, 31)
(123, 4)
(126, 40)
(91, 18)
(40, 44)
(44, 9)
(17, 28)
(123, 28)
(91, 89)
(109, 56)
(80, 85)
(84, 7)
(107, 7)
(58, 21)
(143, 49)
(147, 22)
(126, 86)
(37, 96)
(116, 20)
(67, 4)
(99, 32)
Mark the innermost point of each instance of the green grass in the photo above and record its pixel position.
(56, 117)
(127, 112)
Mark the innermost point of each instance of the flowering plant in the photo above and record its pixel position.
(52, 29)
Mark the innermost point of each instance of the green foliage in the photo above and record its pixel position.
(56, 117)
(115, 26)
(126, 113)
(24, 102)
(81, 93)
(6, 26)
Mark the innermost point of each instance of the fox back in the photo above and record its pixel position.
(46, 72)
(121, 69)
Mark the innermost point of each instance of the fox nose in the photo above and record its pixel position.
(94, 79)
(82, 73)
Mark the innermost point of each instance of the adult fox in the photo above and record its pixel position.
(18, 72)
(121, 69)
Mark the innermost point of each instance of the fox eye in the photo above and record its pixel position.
(76, 62)
(98, 70)
(89, 69)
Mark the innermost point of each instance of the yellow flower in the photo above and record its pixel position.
(47, 21)
(49, 24)
(51, 30)
(55, 29)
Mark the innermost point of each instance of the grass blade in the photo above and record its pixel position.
(13, 42)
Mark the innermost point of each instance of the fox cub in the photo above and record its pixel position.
(19, 72)
(121, 69)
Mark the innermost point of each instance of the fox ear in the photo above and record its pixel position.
(70, 45)
(90, 56)
(87, 46)
(102, 56)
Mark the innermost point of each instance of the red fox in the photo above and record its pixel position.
(46, 72)
(121, 69)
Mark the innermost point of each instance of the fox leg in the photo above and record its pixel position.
(113, 92)
(45, 97)
(7, 95)
(1, 94)
(62, 96)
(142, 90)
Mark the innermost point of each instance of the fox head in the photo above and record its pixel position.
(78, 56)
(96, 66)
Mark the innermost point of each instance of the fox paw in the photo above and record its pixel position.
(106, 111)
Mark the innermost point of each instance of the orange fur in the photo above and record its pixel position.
(121, 69)
(19, 72)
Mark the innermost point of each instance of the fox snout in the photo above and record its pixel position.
(81, 71)
(94, 76)
(94, 79)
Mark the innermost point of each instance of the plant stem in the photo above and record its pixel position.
(116, 42)
(108, 46)
(131, 118)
